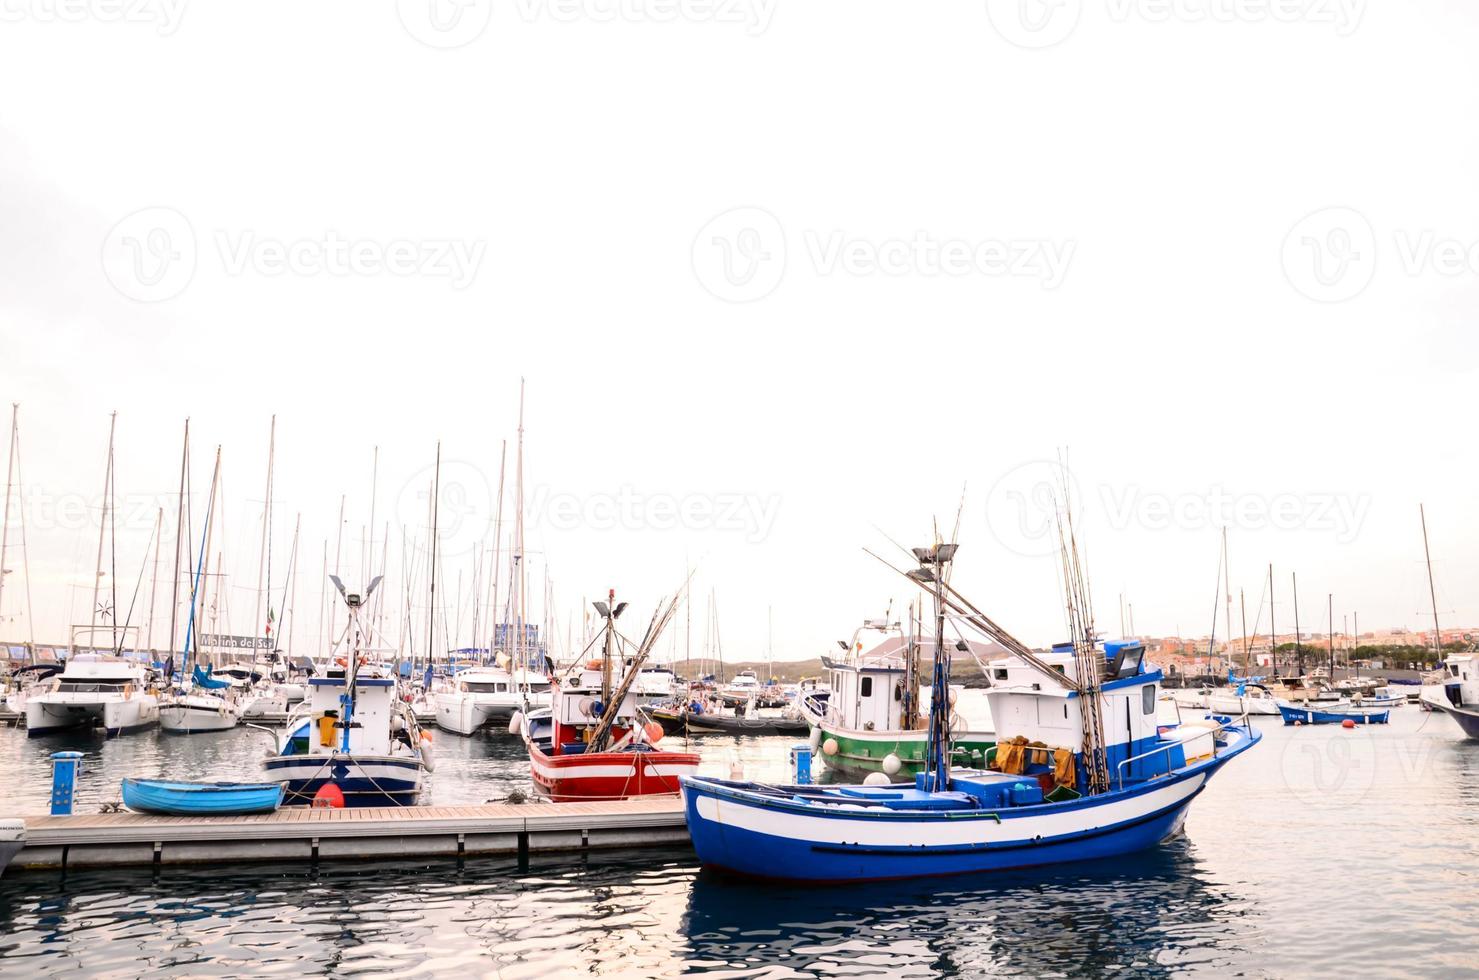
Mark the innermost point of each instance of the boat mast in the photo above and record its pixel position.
(1243, 605)
(519, 584)
(15, 408)
(290, 602)
(1298, 650)
(934, 566)
(1330, 635)
(262, 554)
(199, 566)
(1227, 583)
(497, 544)
(338, 553)
(15, 447)
(153, 579)
(1273, 634)
(436, 489)
(1432, 592)
(102, 529)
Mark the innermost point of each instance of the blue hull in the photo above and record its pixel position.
(364, 781)
(1315, 716)
(756, 855)
(197, 799)
(357, 792)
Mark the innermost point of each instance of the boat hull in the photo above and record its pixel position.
(192, 714)
(1467, 717)
(710, 723)
(55, 713)
(467, 714)
(1332, 715)
(609, 775)
(365, 780)
(1224, 704)
(859, 752)
(738, 837)
(191, 799)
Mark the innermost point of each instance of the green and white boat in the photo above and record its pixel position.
(875, 717)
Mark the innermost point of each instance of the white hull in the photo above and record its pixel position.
(1231, 704)
(115, 714)
(189, 713)
(464, 714)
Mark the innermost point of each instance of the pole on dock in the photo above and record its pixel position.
(65, 767)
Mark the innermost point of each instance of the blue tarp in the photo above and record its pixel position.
(202, 677)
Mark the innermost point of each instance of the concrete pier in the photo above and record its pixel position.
(300, 834)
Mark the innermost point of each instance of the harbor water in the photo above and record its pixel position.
(1323, 851)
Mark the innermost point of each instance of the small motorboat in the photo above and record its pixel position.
(1332, 714)
(176, 799)
(685, 720)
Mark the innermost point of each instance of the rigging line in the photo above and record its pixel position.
(118, 645)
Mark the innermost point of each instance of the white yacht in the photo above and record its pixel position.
(201, 704)
(654, 683)
(477, 697)
(95, 691)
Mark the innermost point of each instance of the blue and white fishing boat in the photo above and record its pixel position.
(1456, 693)
(353, 731)
(1333, 714)
(1081, 770)
(192, 799)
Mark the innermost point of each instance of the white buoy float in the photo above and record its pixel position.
(891, 764)
(829, 747)
(816, 740)
(876, 779)
(516, 724)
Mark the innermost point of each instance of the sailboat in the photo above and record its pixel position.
(201, 703)
(515, 682)
(869, 720)
(1081, 771)
(354, 732)
(114, 693)
(591, 743)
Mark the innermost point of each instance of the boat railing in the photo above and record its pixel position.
(1119, 773)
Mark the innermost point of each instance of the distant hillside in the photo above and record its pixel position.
(963, 669)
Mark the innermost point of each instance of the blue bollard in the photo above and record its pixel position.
(64, 769)
(801, 764)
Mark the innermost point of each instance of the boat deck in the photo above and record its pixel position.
(298, 834)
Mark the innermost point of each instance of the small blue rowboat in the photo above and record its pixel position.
(1332, 714)
(200, 799)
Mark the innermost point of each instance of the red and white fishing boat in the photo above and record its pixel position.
(591, 744)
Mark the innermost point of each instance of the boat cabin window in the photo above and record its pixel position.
(1000, 673)
(865, 688)
(1147, 699)
(92, 687)
(485, 687)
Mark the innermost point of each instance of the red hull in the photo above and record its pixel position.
(609, 775)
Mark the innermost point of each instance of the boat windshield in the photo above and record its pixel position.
(92, 687)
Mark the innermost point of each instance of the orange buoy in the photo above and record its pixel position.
(1298, 723)
(1348, 723)
(654, 732)
(425, 735)
(329, 796)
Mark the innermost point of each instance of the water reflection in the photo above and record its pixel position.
(1153, 914)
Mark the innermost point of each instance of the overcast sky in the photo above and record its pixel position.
(777, 275)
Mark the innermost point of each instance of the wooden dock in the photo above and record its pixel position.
(301, 834)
